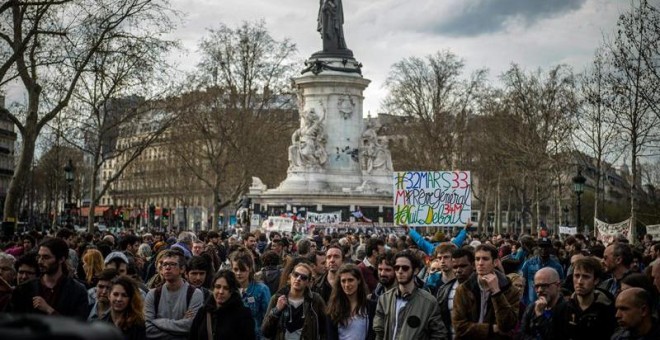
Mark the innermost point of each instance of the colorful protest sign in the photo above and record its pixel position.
(432, 198)
(568, 230)
(607, 233)
(654, 231)
(325, 218)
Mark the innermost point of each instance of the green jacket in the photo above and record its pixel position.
(314, 313)
(418, 319)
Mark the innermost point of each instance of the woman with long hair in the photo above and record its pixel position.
(92, 261)
(255, 295)
(126, 308)
(295, 312)
(223, 314)
(350, 312)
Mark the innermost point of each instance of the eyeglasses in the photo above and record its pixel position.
(169, 264)
(433, 270)
(544, 285)
(404, 267)
(26, 272)
(302, 277)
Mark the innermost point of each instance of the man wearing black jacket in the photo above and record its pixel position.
(537, 321)
(589, 312)
(55, 293)
(463, 267)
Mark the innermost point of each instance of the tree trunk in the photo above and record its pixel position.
(21, 172)
(498, 205)
(597, 194)
(484, 213)
(92, 194)
(632, 235)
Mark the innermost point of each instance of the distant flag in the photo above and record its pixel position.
(360, 216)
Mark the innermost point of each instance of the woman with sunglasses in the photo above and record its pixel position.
(295, 312)
(223, 314)
(350, 313)
(255, 295)
(126, 308)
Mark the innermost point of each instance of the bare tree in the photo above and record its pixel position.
(240, 115)
(595, 132)
(634, 85)
(50, 44)
(540, 107)
(436, 101)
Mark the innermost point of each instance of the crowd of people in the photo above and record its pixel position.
(354, 286)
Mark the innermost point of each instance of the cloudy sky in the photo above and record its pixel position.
(485, 33)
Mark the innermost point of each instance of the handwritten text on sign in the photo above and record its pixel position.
(432, 198)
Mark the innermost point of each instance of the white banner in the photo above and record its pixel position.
(654, 230)
(568, 230)
(325, 218)
(609, 232)
(255, 220)
(284, 224)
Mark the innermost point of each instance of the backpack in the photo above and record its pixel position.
(159, 290)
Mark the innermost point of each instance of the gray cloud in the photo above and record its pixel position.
(479, 17)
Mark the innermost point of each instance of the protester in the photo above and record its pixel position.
(386, 276)
(350, 312)
(223, 315)
(408, 312)
(99, 296)
(126, 308)
(634, 315)
(534, 264)
(463, 267)
(617, 260)
(368, 266)
(486, 305)
(27, 267)
(170, 309)
(537, 322)
(55, 293)
(93, 264)
(334, 258)
(296, 312)
(255, 295)
(7, 268)
(199, 273)
(588, 313)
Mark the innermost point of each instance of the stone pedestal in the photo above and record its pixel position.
(336, 99)
(329, 153)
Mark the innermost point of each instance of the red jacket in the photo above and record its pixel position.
(370, 275)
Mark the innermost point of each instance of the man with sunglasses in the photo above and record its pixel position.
(537, 320)
(408, 312)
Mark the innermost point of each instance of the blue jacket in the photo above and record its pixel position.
(256, 297)
(529, 269)
(429, 247)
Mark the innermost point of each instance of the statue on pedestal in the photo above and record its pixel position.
(307, 148)
(330, 25)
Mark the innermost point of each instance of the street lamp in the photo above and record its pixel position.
(578, 188)
(68, 176)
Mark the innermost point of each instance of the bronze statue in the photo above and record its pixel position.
(330, 25)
